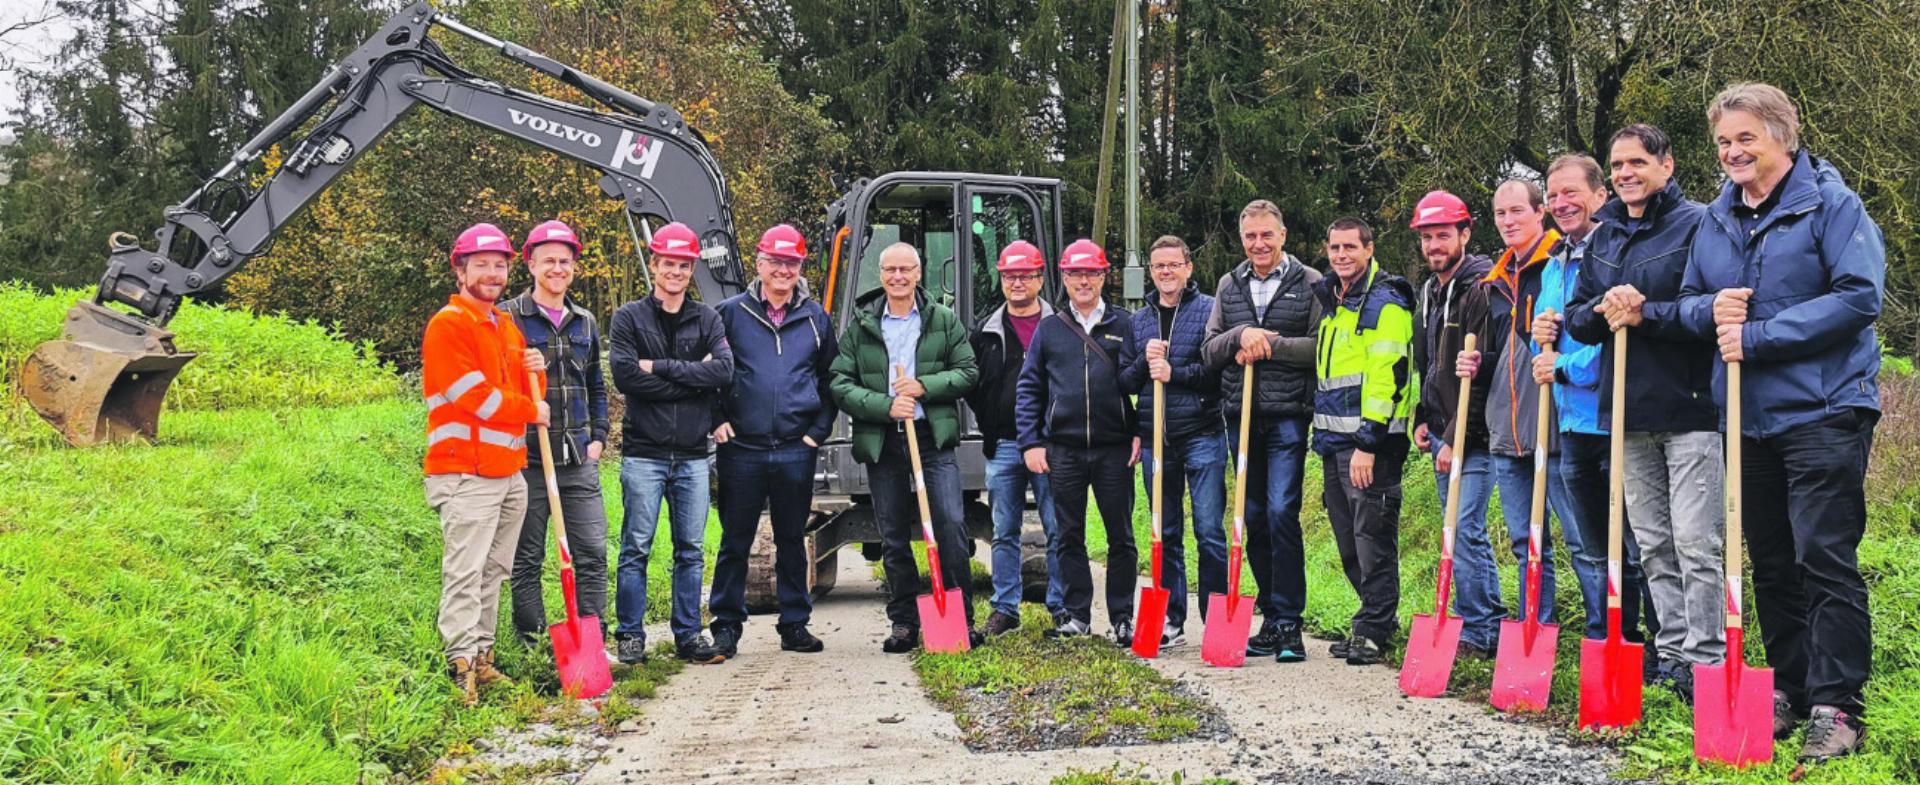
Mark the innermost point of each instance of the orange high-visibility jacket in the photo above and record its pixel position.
(478, 402)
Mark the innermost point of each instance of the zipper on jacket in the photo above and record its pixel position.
(1086, 388)
(777, 347)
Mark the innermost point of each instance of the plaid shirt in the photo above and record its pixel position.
(576, 387)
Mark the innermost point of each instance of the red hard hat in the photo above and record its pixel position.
(1021, 256)
(1083, 254)
(478, 238)
(675, 241)
(550, 232)
(1439, 208)
(783, 242)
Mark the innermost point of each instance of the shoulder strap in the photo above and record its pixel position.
(1074, 325)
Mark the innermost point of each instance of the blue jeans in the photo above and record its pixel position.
(1476, 579)
(1199, 462)
(1514, 477)
(1581, 474)
(644, 483)
(1007, 483)
(779, 481)
(1276, 468)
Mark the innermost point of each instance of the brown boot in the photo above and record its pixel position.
(484, 673)
(461, 669)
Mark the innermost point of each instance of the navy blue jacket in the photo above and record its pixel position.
(1669, 367)
(1193, 396)
(780, 375)
(576, 387)
(1067, 394)
(1817, 264)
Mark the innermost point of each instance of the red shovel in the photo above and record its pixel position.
(1523, 669)
(943, 614)
(579, 647)
(1230, 617)
(1150, 618)
(1435, 638)
(1732, 701)
(1610, 669)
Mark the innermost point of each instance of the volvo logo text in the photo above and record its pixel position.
(551, 128)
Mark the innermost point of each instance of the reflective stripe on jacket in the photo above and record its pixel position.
(1363, 364)
(478, 402)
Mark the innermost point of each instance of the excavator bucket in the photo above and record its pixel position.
(105, 380)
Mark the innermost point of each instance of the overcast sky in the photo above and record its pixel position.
(26, 48)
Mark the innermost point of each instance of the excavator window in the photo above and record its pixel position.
(921, 216)
(997, 218)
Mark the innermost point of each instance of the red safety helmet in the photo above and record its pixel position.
(550, 232)
(783, 242)
(675, 241)
(1439, 208)
(1083, 254)
(478, 238)
(1020, 256)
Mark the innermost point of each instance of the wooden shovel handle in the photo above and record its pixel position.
(1159, 450)
(1733, 485)
(553, 484)
(1616, 469)
(1459, 444)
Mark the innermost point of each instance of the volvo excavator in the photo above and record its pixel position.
(106, 379)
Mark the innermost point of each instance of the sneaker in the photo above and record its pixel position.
(1469, 651)
(484, 673)
(1068, 628)
(461, 669)
(697, 650)
(1288, 647)
(1172, 636)
(1785, 720)
(1362, 650)
(1262, 644)
(903, 640)
(631, 651)
(1831, 733)
(726, 640)
(794, 637)
(1123, 633)
(1001, 623)
(1338, 650)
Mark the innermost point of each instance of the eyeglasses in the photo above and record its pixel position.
(891, 271)
(1086, 273)
(782, 264)
(1025, 278)
(1167, 268)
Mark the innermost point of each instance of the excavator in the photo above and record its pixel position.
(106, 379)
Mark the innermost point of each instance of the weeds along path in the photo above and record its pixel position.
(854, 714)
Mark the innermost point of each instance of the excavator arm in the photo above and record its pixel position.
(106, 380)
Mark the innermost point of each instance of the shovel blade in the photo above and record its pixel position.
(1610, 673)
(580, 654)
(1523, 666)
(1150, 620)
(1229, 622)
(943, 625)
(1431, 647)
(1733, 714)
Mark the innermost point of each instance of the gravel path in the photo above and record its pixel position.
(856, 715)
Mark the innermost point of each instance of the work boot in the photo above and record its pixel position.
(631, 651)
(484, 673)
(1287, 646)
(1262, 644)
(1831, 733)
(1123, 633)
(1067, 627)
(903, 640)
(461, 669)
(1678, 677)
(794, 637)
(1001, 623)
(1785, 720)
(1172, 636)
(726, 640)
(1338, 649)
(697, 650)
(1362, 650)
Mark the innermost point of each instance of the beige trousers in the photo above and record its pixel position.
(480, 527)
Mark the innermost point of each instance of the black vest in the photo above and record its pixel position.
(1279, 390)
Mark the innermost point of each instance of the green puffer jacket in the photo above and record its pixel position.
(862, 376)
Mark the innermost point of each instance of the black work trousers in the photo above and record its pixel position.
(1103, 470)
(896, 510)
(1366, 527)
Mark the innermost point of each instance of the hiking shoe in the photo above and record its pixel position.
(697, 650)
(1288, 647)
(1123, 633)
(1001, 623)
(1172, 636)
(902, 640)
(1067, 628)
(1831, 733)
(1338, 649)
(1262, 644)
(631, 651)
(461, 669)
(1785, 720)
(726, 640)
(794, 637)
(484, 673)
(1362, 650)
(1468, 651)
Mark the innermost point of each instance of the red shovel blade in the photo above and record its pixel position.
(1523, 666)
(1733, 713)
(1431, 647)
(1610, 673)
(943, 624)
(1229, 622)
(1150, 620)
(580, 653)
